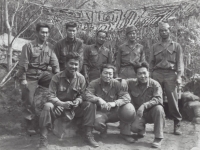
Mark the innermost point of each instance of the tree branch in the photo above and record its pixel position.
(14, 14)
(25, 27)
(6, 14)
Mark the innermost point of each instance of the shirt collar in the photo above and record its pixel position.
(110, 84)
(35, 43)
(148, 83)
(70, 40)
(170, 41)
(63, 75)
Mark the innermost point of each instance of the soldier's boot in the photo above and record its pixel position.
(157, 143)
(177, 129)
(43, 139)
(89, 137)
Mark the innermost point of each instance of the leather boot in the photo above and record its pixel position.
(89, 137)
(43, 140)
(157, 143)
(127, 138)
(177, 129)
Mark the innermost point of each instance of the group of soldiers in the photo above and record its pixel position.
(85, 84)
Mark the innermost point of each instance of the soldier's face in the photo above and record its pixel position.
(164, 33)
(43, 34)
(71, 32)
(142, 75)
(101, 38)
(72, 66)
(107, 74)
(132, 36)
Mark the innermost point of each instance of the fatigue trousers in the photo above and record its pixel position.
(85, 111)
(103, 116)
(156, 115)
(167, 79)
(127, 72)
(28, 92)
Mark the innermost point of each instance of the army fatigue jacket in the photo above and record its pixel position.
(63, 47)
(35, 59)
(95, 56)
(169, 58)
(115, 93)
(127, 56)
(62, 89)
(149, 96)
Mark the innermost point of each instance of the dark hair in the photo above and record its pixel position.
(73, 55)
(141, 65)
(101, 31)
(71, 24)
(108, 66)
(41, 25)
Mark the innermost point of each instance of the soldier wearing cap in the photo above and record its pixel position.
(69, 44)
(166, 66)
(129, 55)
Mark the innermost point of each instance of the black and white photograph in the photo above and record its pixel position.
(99, 74)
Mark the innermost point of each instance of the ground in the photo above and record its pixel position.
(14, 137)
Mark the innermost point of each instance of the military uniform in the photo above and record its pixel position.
(127, 58)
(96, 90)
(66, 45)
(94, 57)
(62, 89)
(33, 67)
(149, 95)
(166, 63)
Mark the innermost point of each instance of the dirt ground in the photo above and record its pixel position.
(14, 137)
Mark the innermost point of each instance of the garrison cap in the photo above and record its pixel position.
(130, 29)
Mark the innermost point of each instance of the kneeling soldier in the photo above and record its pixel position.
(65, 100)
(109, 97)
(146, 95)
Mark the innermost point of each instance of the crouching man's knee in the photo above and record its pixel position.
(127, 113)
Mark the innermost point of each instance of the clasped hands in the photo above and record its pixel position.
(106, 105)
(66, 105)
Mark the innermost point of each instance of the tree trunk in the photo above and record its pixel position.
(9, 31)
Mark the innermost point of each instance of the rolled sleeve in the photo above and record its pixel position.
(23, 62)
(180, 64)
(54, 63)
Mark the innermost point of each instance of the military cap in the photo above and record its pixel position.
(71, 24)
(163, 25)
(130, 29)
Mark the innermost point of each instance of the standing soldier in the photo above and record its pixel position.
(166, 66)
(96, 55)
(129, 55)
(36, 56)
(69, 44)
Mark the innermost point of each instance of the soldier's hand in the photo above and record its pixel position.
(178, 81)
(58, 110)
(67, 104)
(140, 111)
(76, 103)
(101, 101)
(24, 83)
(110, 105)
